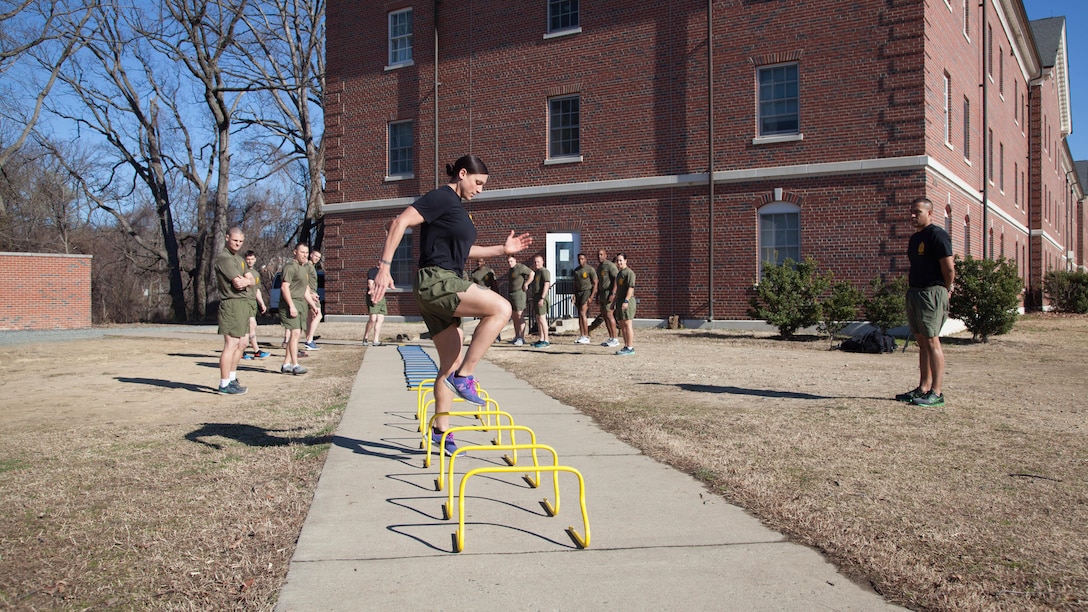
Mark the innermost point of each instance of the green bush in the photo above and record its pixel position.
(886, 307)
(839, 309)
(788, 295)
(986, 296)
(1067, 291)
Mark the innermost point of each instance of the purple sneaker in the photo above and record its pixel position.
(465, 388)
(436, 441)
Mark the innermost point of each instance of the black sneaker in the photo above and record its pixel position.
(232, 389)
(929, 399)
(909, 396)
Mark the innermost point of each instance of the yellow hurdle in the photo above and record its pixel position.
(495, 445)
(422, 403)
(554, 469)
(426, 443)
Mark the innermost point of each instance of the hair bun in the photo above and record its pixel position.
(449, 170)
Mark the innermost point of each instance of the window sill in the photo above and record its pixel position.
(949, 145)
(762, 140)
(400, 65)
(399, 177)
(573, 159)
(566, 32)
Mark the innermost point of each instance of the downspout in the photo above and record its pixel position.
(710, 157)
(986, 146)
(437, 164)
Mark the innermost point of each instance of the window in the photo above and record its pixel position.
(1001, 71)
(779, 100)
(779, 234)
(966, 129)
(400, 149)
(1016, 184)
(967, 236)
(967, 18)
(562, 15)
(401, 270)
(1015, 101)
(947, 109)
(990, 154)
(948, 219)
(990, 52)
(564, 127)
(400, 37)
(1001, 167)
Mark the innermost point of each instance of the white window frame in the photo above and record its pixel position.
(394, 54)
(561, 158)
(948, 110)
(564, 30)
(393, 175)
(780, 135)
(774, 209)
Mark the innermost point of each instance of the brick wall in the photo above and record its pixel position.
(42, 291)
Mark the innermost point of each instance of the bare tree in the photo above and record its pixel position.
(283, 49)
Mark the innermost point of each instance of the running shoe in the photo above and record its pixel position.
(311, 345)
(909, 396)
(582, 340)
(611, 343)
(929, 399)
(247, 356)
(436, 441)
(465, 388)
(627, 350)
(518, 342)
(232, 389)
(262, 355)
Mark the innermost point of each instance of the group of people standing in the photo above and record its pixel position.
(611, 284)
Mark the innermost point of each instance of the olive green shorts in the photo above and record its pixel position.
(603, 299)
(542, 309)
(234, 316)
(298, 322)
(624, 312)
(378, 308)
(581, 298)
(927, 310)
(518, 301)
(436, 292)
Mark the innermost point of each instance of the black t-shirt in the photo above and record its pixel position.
(447, 232)
(927, 247)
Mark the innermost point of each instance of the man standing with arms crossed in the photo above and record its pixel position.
(585, 287)
(932, 273)
(295, 293)
(236, 305)
(520, 276)
(606, 275)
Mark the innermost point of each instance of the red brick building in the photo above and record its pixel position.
(44, 291)
(820, 125)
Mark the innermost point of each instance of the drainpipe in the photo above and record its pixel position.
(710, 156)
(986, 146)
(437, 164)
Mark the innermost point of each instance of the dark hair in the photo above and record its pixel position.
(923, 201)
(250, 253)
(471, 163)
(303, 244)
(620, 254)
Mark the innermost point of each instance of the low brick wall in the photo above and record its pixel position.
(45, 291)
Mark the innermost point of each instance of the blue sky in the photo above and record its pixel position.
(1076, 26)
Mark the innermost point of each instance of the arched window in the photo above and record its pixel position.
(779, 233)
(967, 236)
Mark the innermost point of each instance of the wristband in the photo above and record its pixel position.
(383, 261)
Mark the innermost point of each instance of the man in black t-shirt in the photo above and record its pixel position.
(932, 272)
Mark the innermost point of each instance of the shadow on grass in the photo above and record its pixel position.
(167, 384)
(373, 449)
(251, 435)
(740, 391)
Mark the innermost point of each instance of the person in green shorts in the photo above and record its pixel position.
(932, 273)
(372, 335)
(236, 305)
(606, 280)
(538, 288)
(251, 271)
(314, 316)
(585, 287)
(295, 294)
(624, 304)
(447, 239)
(519, 278)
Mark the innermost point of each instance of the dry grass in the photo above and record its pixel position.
(175, 498)
(981, 505)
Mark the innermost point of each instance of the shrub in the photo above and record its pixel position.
(886, 307)
(839, 309)
(1068, 291)
(986, 296)
(788, 295)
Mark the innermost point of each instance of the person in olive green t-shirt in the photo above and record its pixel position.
(606, 277)
(236, 301)
(314, 315)
(585, 287)
(295, 296)
(483, 275)
(624, 304)
(539, 286)
(519, 278)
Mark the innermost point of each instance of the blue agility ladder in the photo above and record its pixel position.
(418, 365)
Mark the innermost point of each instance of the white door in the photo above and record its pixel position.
(561, 258)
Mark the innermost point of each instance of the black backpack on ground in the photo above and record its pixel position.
(872, 341)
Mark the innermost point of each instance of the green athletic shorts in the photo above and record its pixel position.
(603, 298)
(298, 322)
(581, 298)
(234, 314)
(624, 312)
(518, 301)
(436, 292)
(927, 310)
(542, 310)
(376, 309)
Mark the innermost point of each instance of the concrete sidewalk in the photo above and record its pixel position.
(375, 537)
